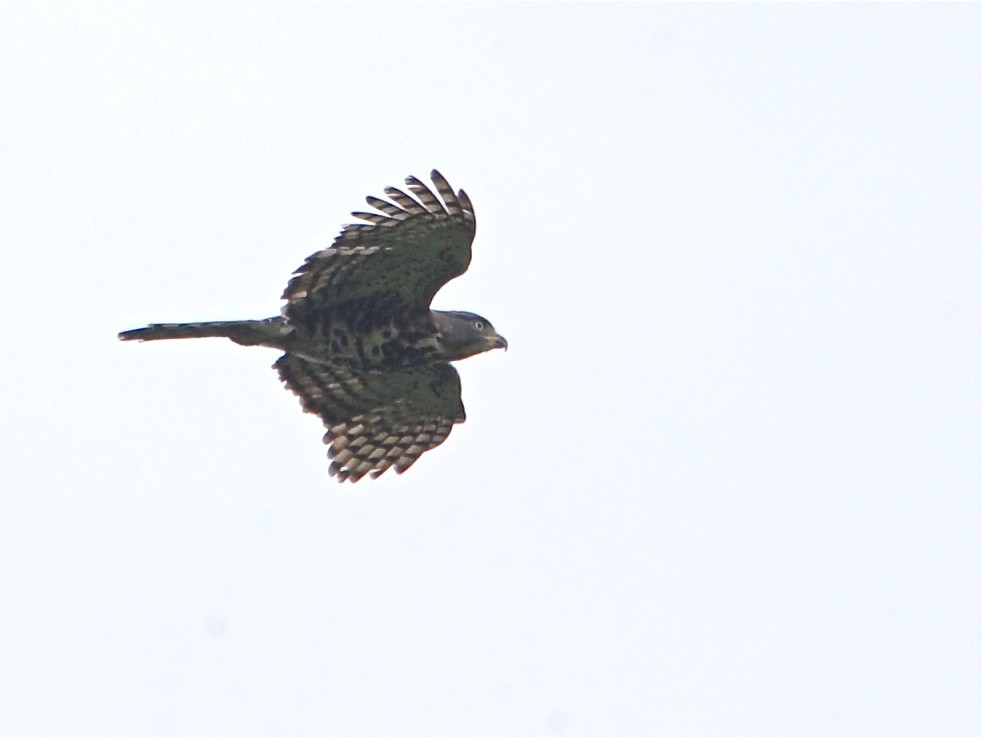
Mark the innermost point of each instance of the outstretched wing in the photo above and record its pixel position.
(376, 420)
(394, 261)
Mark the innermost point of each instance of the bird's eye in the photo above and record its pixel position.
(478, 325)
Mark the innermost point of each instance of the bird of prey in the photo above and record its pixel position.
(362, 348)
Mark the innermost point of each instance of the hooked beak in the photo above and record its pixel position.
(496, 341)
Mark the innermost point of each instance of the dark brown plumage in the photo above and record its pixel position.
(363, 349)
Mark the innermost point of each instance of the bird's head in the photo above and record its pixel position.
(464, 334)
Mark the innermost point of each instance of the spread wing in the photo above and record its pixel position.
(396, 260)
(376, 420)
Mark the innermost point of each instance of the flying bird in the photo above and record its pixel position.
(362, 348)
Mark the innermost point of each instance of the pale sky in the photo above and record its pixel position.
(726, 480)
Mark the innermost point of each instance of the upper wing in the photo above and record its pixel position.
(396, 260)
(376, 420)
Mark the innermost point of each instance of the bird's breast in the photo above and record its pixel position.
(391, 345)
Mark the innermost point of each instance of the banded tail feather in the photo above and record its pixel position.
(269, 332)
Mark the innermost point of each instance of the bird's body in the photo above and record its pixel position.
(362, 348)
(398, 342)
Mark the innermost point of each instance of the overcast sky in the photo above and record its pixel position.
(726, 481)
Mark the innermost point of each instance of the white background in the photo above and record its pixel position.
(725, 482)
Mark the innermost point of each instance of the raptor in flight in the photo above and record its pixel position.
(362, 348)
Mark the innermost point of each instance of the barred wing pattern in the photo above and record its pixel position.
(397, 259)
(376, 420)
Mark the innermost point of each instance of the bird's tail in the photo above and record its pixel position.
(270, 332)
